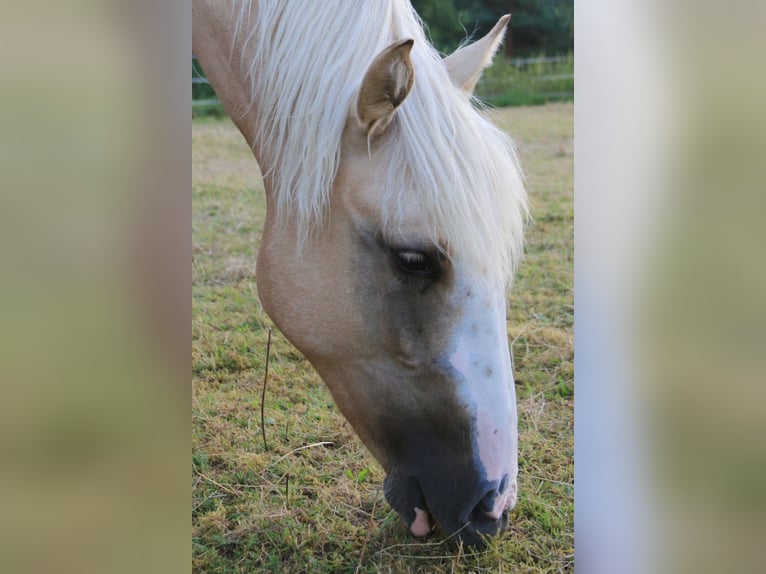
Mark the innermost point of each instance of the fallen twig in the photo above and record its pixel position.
(263, 392)
(304, 447)
(366, 538)
(218, 484)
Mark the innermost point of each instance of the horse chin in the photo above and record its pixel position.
(406, 497)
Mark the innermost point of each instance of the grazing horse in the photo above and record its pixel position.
(395, 216)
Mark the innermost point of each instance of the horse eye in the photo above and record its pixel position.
(411, 261)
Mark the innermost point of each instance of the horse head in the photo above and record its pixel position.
(398, 297)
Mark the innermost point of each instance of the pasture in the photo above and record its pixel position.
(312, 501)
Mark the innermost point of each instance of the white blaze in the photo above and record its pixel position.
(482, 357)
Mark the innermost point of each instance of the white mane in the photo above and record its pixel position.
(309, 61)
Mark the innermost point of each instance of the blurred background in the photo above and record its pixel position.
(670, 278)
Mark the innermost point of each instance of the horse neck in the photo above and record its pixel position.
(219, 50)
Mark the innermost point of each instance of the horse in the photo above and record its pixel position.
(395, 221)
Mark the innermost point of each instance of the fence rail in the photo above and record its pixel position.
(511, 84)
(538, 60)
(208, 102)
(205, 102)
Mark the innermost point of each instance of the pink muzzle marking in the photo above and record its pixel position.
(421, 526)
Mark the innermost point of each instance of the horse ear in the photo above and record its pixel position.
(388, 81)
(466, 64)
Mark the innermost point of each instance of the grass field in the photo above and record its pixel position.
(313, 501)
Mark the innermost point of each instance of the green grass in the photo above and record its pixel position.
(321, 508)
(511, 83)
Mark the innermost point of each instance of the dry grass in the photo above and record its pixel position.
(313, 502)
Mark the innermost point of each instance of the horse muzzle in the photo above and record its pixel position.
(465, 505)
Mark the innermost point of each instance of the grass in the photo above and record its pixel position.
(539, 80)
(313, 501)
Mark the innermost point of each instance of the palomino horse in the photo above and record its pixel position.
(395, 214)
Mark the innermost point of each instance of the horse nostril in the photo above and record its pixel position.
(488, 505)
(503, 484)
